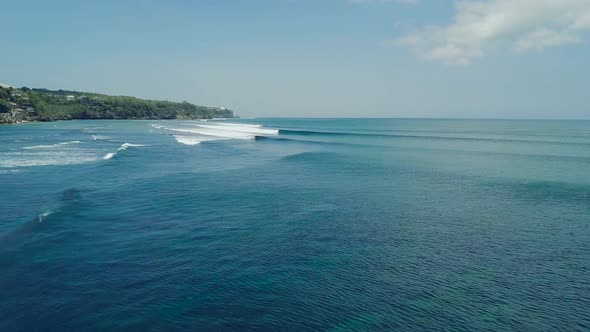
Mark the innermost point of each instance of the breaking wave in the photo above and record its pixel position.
(191, 140)
(123, 147)
(44, 215)
(197, 132)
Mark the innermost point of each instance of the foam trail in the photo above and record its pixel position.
(46, 158)
(99, 137)
(10, 171)
(50, 146)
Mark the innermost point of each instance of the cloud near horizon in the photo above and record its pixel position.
(481, 26)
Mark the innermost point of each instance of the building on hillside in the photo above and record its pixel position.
(70, 97)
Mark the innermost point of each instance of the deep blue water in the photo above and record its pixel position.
(295, 224)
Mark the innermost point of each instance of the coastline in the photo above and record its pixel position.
(30, 121)
(23, 105)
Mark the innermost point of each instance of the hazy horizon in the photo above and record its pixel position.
(493, 59)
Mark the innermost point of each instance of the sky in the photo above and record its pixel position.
(312, 58)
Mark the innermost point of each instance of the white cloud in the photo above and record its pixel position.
(480, 26)
(544, 37)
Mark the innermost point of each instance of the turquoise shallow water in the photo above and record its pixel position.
(295, 224)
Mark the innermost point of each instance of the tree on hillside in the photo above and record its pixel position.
(4, 94)
(4, 107)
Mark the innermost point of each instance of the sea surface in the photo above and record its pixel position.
(295, 224)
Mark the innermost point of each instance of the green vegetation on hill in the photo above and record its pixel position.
(26, 104)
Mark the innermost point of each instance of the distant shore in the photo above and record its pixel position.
(117, 119)
(23, 105)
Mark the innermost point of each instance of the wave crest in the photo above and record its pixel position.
(123, 147)
(196, 132)
(44, 215)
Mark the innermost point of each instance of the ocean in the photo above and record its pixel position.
(295, 224)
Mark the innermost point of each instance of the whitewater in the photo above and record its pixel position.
(194, 133)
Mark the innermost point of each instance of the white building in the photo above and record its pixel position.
(70, 97)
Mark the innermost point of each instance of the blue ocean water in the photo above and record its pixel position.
(295, 224)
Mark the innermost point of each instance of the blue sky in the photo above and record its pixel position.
(312, 58)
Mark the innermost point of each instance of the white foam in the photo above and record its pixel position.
(192, 140)
(50, 146)
(225, 134)
(239, 124)
(187, 140)
(123, 147)
(44, 215)
(126, 145)
(99, 137)
(46, 158)
(109, 155)
(237, 132)
(10, 171)
(196, 132)
(35, 147)
(63, 153)
(242, 129)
